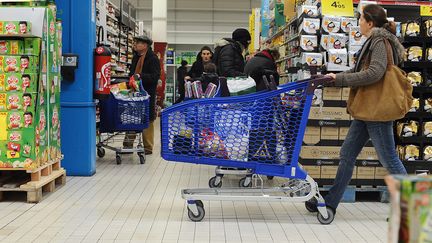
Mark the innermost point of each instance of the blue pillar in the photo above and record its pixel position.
(78, 113)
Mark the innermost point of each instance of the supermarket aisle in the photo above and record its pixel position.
(135, 203)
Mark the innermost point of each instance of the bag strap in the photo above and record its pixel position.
(389, 50)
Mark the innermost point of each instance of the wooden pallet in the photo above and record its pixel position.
(34, 182)
(352, 191)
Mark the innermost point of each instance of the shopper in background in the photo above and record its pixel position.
(263, 63)
(181, 74)
(228, 56)
(146, 64)
(370, 69)
(209, 76)
(204, 56)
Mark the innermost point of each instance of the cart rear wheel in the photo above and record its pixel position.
(212, 182)
(245, 182)
(101, 152)
(199, 217)
(270, 177)
(118, 159)
(142, 158)
(327, 220)
(199, 203)
(311, 205)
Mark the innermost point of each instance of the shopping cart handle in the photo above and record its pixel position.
(316, 82)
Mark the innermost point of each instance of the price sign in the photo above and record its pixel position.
(425, 10)
(343, 8)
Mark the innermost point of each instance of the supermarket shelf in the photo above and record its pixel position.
(415, 140)
(403, 3)
(423, 89)
(281, 31)
(112, 32)
(112, 16)
(421, 64)
(417, 39)
(17, 36)
(419, 114)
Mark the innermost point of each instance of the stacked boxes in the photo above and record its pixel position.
(29, 97)
(327, 129)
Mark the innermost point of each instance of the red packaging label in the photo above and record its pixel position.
(14, 147)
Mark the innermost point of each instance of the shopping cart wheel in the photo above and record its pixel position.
(245, 181)
(327, 220)
(270, 177)
(213, 184)
(100, 152)
(118, 159)
(311, 205)
(201, 212)
(142, 158)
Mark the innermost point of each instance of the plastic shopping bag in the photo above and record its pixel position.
(241, 86)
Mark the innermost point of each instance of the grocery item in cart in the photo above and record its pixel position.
(188, 90)
(408, 129)
(415, 78)
(197, 89)
(211, 90)
(331, 24)
(211, 144)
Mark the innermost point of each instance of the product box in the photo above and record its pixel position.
(337, 41)
(328, 171)
(312, 135)
(18, 64)
(343, 132)
(324, 43)
(329, 133)
(18, 101)
(347, 23)
(368, 153)
(308, 42)
(345, 93)
(332, 153)
(15, 27)
(310, 26)
(364, 172)
(307, 11)
(328, 113)
(352, 59)
(380, 172)
(332, 93)
(32, 46)
(11, 47)
(331, 24)
(18, 82)
(55, 139)
(355, 36)
(337, 60)
(312, 59)
(313, 170)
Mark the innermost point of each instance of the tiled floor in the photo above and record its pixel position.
(142, 203)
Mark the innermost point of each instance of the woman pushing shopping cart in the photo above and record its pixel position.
(229, 132)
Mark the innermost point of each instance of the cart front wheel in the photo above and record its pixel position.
(142, 159)
(311, 205)
(327, 220)
(213, 184)
(118, 159)
(199, 217)
(100, 152)
(245, 182)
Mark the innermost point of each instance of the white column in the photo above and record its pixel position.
(159, 23)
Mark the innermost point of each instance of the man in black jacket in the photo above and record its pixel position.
(146, 64)
(228, 55)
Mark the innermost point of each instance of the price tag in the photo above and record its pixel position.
(343, 8)
(425, 10)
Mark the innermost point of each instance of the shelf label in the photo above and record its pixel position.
(343, 8)
(425, 10)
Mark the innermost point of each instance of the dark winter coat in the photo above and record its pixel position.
(181, 74)
(262, 64)
(150, 75)
(208, 78)
(197, 68)
(228, 58)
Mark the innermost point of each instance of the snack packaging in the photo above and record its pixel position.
(429, 54)
(411, 29)
(308, 11)
(415, 105)
(427, 153)
(428, 27)
(15, 27)
(352, 59)
(312, 59)
(408, 129)
(415, 78)
(347, 23)
(211, 90)
(18, 64)
(188, 90)
(411, 153)
(355, 36)
(11, 47)
(338, 57)
(310, 26)
(325, 41)
(428, 105)
(427, 129)
(414, 54)
(309, 42)
(337, 41)
(331, 24)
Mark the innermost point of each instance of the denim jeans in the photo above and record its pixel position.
(381, 134)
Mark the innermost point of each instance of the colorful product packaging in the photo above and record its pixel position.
(347, 23)
(414, 54)
(312, 59)
(331, 24)
(337, 41)
(18, 82)
(308, 11)
(355, 36)
(211, 90)
(309, 42)
(11, 47)
(19, 64)
(338, 57)
(310, 26)
(197, 89)
(18, 101)
(15, 27)
(32, 46)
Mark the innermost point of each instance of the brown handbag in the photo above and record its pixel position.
(386, 100)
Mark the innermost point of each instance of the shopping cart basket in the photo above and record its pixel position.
(123, 119)
(221, 132)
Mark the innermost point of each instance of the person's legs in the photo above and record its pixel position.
(354, 142)
(382, 137)
(129, 140)
(148, 138)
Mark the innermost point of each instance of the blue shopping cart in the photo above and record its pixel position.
(236, 132)
(122, 120)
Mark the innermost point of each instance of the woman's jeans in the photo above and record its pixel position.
(381, 134)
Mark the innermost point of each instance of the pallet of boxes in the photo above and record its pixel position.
(30, 54)
(327, 128)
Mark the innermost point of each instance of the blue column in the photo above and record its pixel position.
(78, 113)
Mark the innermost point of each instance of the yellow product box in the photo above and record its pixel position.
(345, 93)
(343, 132)
(313, 170)
(329, 172)
(332, 93)
(380, 172)
(312, 135)
(329, 133)
(364, 172)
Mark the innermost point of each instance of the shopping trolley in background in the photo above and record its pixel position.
(221, 132)
(122, 119)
